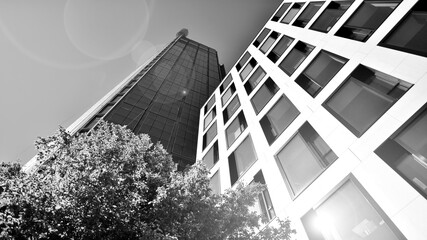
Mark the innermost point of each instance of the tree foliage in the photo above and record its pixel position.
(113, 184)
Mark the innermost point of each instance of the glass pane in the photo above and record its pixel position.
(255, 78)
(264, 94)
(307, 14)
(226, 82)
(368, 17)
(231, 109)
(321, 70)
(210, 135)
(248, 69)
(267, 44)
(411, 33)
(280, 48)
(299, 164)
(211, 156)
(242, 61)
(261, 37)
(209, 118)
(364, 97)
(295, 57)
(236, 127)
(210, 104)
(215, 183)
(278, 119)
(280, 12)
(245, 155)
(292, 13)
(347, 214)
(228, 94)
(331, 15)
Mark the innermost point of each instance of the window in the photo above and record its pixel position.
(410, 34)
(211, 156)
(228, 94)
(241, 159)
(215, 183)
(248, 69)
(269, 42)
(261, 37)
(242, 61)
(307, 14)
(264, 207)
(280, 116)
(304, 158)
(364, 97)
(331, 15)
(280, 48)
(231, 109)
(209, 118)
(264, 94)
(292, 12)
(295, 57)
(236, 127)
(254, 79)
(225, 84)
(210, 103)
(320, 71)
(349, 213)
(280, 12)
(368, 17)
(209, 135)
(406, 151)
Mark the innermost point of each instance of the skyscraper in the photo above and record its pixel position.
(328, 108)
(162, 98)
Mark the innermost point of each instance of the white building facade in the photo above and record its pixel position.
(328, 108)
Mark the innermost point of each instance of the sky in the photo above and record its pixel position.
(59, 57)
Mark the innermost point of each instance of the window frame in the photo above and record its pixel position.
(242, 125)
(329, 7)
(234, 180)
(273, 93)
(297, 47)
(302, 23)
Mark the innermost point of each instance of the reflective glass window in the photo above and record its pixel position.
(263, 205)
(320, 71)
(264, 94)
(411, 33)
(211, 156)
(215, 183)
(349, 213)
(307, 14)
(210, 103)
(330, 15)
(243, 61)
(225, 84)
(280, 48)
(227, 95)
(231, 109)
(278, 118)
(241, 159)
(261, 37)
(368, 17)
(269, 42)
(209, 135)
(253, 81)
(236, 127)
(208, 119)
(280, 12)
(406, 152)
(304, 158)
(248, 69)
(295, 57)
(364, 97)
(292, 12)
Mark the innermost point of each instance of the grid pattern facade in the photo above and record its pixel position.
(329, 106)
(164, 98)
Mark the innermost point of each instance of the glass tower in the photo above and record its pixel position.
(164, 98)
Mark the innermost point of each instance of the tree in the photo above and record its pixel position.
(113, 184)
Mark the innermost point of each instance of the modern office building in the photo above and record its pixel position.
(162, 98)
(328, 108)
